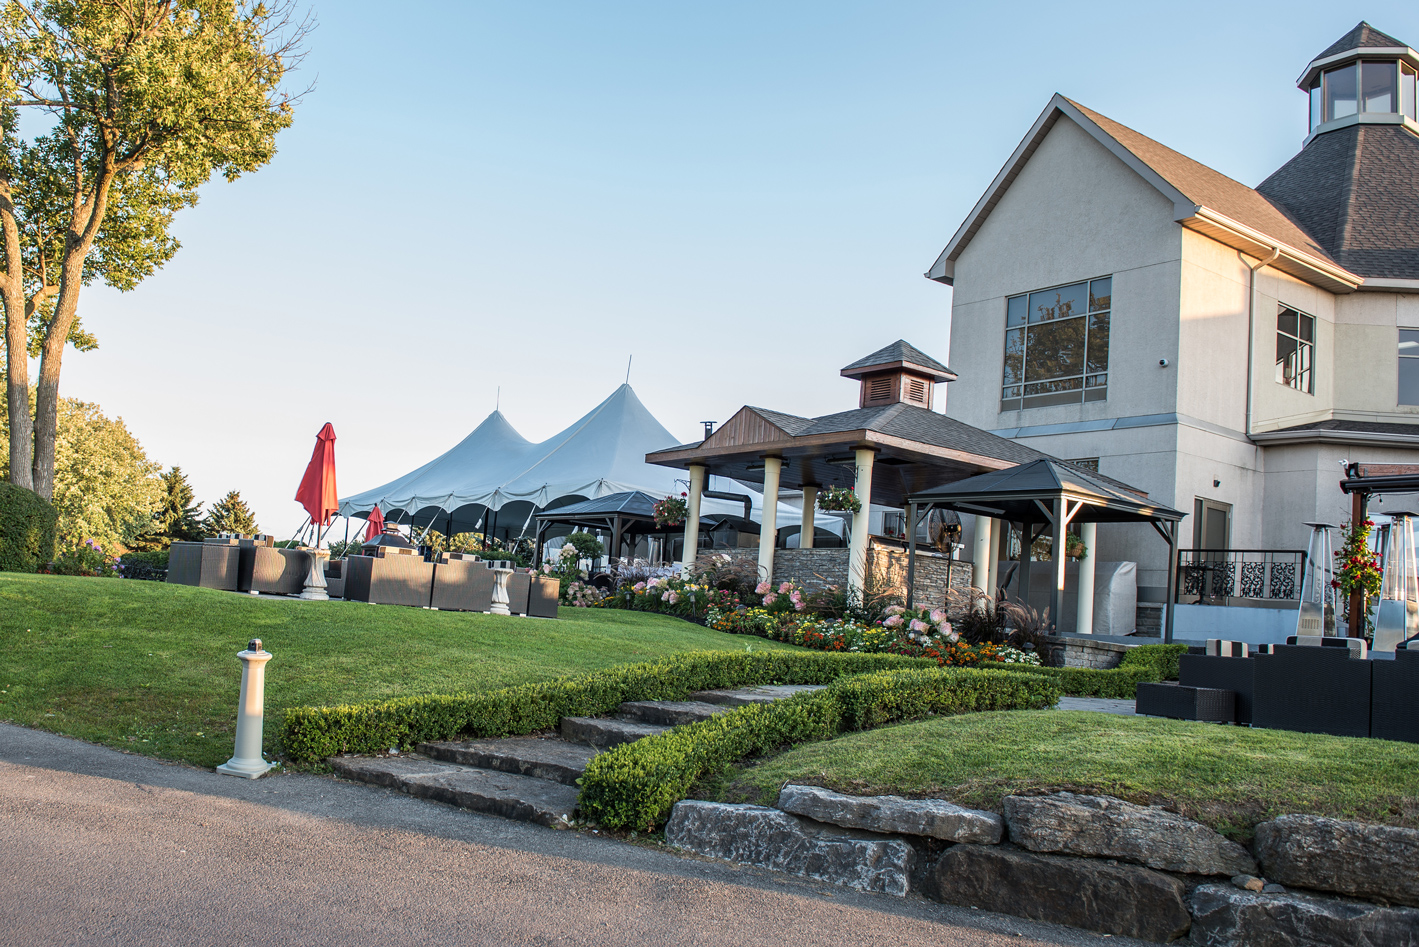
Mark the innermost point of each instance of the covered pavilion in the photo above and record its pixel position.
(1050, 494)
(892, 446)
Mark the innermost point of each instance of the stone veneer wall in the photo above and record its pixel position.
(816, 568)
(1082, 653)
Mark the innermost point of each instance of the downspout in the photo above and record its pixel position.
(1251, 327)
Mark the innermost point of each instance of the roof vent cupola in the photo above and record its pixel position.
(898, 374)
(1365, 77)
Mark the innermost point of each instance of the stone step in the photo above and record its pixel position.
(553, 759)
(670, 713)
(523, 798)
(766, 694)
(604, 733)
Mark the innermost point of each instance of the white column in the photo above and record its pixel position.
(768, 529)
(1084, 623)
(999, 542)
(857, 545)
(980, 562)
(247, 761)
(692, 518)
(810, 503)
(1057, 547)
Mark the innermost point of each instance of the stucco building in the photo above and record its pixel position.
(1221, 346)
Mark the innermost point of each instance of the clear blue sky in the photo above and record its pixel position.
(741, 195)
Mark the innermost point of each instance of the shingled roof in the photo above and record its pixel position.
(1356, 190)
(1363, 36)
(899, 354)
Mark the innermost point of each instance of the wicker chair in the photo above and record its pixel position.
(542, 600)
(462, 584)
(1394, 714)
(389, 580)
(519, 591)
(214, 564)
(1233, 674)
(1312, 690)
(273, 571)
(335, 578)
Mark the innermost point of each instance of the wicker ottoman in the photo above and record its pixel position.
(1186, 703)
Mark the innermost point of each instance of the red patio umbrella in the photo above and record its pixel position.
(376, 524)
(317, 491)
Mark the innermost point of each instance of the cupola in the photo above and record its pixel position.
(1365, 77)
(900, 373)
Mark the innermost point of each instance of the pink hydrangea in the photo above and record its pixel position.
(952, 636)
(672, 598)
(945, 629)
(770, 599)
(893, 621)
(762, 587)
(937, 616)
(919, 626)
(895, 610)
(639, 587)
(786, 587)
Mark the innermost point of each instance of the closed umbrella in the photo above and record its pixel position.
(376, 524)
(317, 491)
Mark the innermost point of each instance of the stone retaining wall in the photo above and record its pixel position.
(1075, 652)
(816, 568)
(1092, 862)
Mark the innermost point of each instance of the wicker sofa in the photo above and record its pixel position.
(272, 571)
(391, 578)
(212, 564)
(462, 583)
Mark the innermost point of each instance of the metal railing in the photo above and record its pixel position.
(1217, 576)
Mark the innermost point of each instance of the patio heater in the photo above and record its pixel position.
(1398, 616)
(1317, 612)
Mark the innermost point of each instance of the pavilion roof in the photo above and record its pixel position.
(1014, 494)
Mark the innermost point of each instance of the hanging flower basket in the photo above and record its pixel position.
(839, 500)
(671, 511)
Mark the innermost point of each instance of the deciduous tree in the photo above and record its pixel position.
(136, 104)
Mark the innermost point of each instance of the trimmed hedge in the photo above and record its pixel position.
(27, 529)
(315, 733)
(1143, 664)
(635, 785)
(1162, 658)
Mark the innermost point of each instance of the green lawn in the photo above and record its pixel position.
(153, 668)
(1228, 777)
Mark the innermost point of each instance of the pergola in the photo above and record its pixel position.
(1047, 493)
(883, 453)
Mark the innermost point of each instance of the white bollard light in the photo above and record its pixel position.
(247, 761)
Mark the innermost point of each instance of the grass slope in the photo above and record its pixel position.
(1228, 777)
(153, 668)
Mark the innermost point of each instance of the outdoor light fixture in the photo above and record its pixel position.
(759, 465)
(1216, 483)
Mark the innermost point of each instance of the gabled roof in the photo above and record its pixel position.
(1356, 190)
(1363, 39)
(1014, 491)
(1204, 200)
(899, 355)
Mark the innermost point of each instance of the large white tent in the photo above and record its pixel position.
(494, 479)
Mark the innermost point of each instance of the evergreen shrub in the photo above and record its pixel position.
(635, 785)
(27, 530)
(315, 733)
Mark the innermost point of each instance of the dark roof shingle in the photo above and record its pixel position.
(1363, 36)
(1356, 190)
(899, 351)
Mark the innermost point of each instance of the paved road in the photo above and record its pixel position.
(101, 847)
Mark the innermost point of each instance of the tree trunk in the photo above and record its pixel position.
(46, 415)
(17, 389)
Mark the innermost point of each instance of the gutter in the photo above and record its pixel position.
(1251, 327)
(1352, 438)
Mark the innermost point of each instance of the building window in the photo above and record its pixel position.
(1295, 350)
(1409, 366)
(1363, 87)
(1057, 346)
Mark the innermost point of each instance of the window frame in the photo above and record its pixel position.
(1304, 348)
(1405, 360)
(1092, 385)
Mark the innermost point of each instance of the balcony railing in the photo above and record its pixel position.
(1225, 576)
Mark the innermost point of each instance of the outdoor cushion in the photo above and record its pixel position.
(1220, 647)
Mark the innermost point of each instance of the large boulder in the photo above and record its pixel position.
(1226, 916)
(1094, 895)
(768, 838)
(1105, 827)
(935, 818)
(1367, 861)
